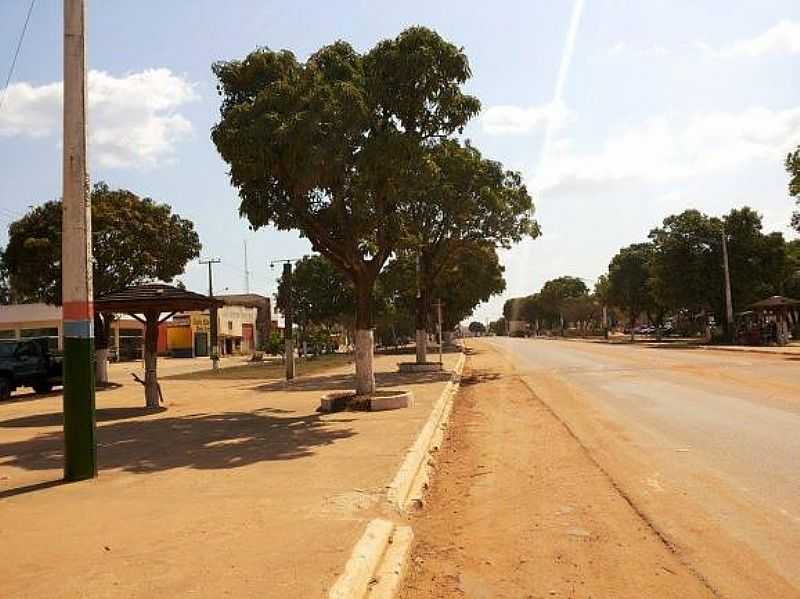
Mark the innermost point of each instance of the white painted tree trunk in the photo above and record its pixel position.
(422, 346)
(101, 365)
(365, 373)
(151, 395)
(150, 380)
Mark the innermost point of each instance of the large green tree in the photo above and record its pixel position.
(793, 168)
(134, 240)
(555, 293)
(320, 293)
(460, 199)
(472, 276)
(791, 285)
(328, 146)
(630, 281)
(687, 261)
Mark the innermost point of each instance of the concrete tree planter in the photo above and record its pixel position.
(337, 401)
(419, 366)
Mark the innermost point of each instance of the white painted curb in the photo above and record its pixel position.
(377, 565)
(367, 554)
(393, 567)
(410, 482)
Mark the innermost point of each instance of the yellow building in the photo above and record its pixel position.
(240, 326)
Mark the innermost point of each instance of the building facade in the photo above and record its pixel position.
(242, 323)
(22, 321)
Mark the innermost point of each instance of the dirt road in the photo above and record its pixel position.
(520, 509)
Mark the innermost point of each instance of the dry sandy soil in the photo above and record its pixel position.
(519, 509)
(236, 488)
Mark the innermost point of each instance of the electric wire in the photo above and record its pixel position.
(16, 54)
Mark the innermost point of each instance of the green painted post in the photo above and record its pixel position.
(80, 445)
(80, 448)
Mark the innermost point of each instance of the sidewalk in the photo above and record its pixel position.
(238, 488)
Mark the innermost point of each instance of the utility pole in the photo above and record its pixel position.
(728, 300)
(212, 316)
(288, 337)
(80, 445)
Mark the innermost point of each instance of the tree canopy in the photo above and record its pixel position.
(320, 293)
(630, 279)
(476, 327)
(459, 199)
(5, 289)
(793, 168)
(329, 146)
(134, 240)
(326, 146)
(687, 261)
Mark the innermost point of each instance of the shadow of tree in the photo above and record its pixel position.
(410, 350)
(262, 370)
(336, 382)
(202, 441)
(57, 418)
(17, 397)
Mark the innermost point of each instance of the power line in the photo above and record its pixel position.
(16, 54)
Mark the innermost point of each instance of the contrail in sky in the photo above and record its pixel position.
(563, 70)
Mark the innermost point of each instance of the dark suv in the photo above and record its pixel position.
(28, 363)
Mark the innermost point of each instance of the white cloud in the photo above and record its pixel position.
(666, 148)
(133, 119)
(783, 38)
(617, 48)
(499, 120)
(653, 51)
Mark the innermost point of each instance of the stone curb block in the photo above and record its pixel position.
(411, 480)
(392, 570)
(377, 565)
(364, 561)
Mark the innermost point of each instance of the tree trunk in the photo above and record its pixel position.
(422, 309)
(151, 394)
(364, 342)
(102, 330)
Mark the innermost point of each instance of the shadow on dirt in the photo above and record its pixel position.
(202, 441)
(32, 395)
(337, 382)
(57, 418)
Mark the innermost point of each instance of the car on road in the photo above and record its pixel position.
(28, 363)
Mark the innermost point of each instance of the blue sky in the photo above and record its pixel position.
(665, 105)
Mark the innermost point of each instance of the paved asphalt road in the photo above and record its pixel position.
(720, 428)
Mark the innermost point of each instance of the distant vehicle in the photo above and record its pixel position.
(28, 363)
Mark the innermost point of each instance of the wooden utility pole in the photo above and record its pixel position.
(212, 317)
(80, 446)
(728, 300)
